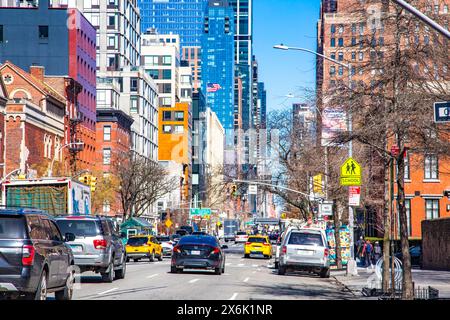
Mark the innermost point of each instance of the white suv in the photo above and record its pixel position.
(305, 249)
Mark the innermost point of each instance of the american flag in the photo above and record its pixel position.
(213, 87)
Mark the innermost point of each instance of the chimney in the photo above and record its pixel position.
(38, 72)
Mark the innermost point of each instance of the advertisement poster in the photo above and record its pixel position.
(344, 233)
(333, 122)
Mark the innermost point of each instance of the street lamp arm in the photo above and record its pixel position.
(283, 47)
(405, 5)
(9, 174)
(271, 185)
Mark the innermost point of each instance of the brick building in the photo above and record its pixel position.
(34, 120)
(3, 100)
(63, 41)
(350, 31)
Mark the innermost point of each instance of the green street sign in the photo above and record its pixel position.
(200, 212)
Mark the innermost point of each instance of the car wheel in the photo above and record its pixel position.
(281, 270)
(160, 257)
(276, 264)
(325, 273)
(174, 269)
(246, 256)
(218, 271)
(151, 258)
(128, 259)
(108, 276)
(67, 292)
(120, 274)
(41, 292)
(135, 260)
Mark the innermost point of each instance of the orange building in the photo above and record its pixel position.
(175, 142)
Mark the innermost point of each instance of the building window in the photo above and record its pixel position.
(167, 60)
(407, 167)
(353, 41)
(341, 28)
(341, 42)
(341, 70)
(341, 56)
(43, 32)
(432, 208)
(167, 129)
(165, 102)
(333, 55)
(134, 107)
(431, 166)
(333, 42)
(179, 129)
(361, 56)
(107, 156)
(153, 73)
(332, 70)
(353, 55)
(133, 84)
(107, 133)
(179, 116)
(167, 115)
(106, 207)
(167, 74)
(333, 28)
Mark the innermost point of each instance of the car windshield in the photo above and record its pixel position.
(12, 227)
(241, 233)
(137, 241)
(257, 240)
(80, 228)
(163, 239)
(307, 239)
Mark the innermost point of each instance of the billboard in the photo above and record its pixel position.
(334, 120)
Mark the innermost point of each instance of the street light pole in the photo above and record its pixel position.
(50, 171)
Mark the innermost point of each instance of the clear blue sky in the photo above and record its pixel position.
(292, 22)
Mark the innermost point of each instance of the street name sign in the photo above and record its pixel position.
(350, 173)
(442, 112)
(326, 209)
(200, 213)
(252, 189)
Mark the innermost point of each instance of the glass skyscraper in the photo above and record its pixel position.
(182, 17)
(218, 62)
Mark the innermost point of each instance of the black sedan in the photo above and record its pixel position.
(198, 252)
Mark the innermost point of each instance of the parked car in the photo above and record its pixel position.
(181, 232)
(167, 245)
(416, 255)
(258, 245)
(188, 229)
(306, 250)
(199, 233)
(34, 257)
(97, 247)
(139, 247)
(198, 252)
(241, 236)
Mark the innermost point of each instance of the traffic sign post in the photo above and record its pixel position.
(442, 112)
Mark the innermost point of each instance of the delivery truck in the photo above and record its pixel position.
(230, 228)
(56, 196)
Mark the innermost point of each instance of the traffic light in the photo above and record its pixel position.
(233, 190)
(93, 183)
(86, 179)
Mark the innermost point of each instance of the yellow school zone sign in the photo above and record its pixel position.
(350, 173)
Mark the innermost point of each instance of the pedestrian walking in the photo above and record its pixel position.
(376, 252)
(358, 250)
(367, 253)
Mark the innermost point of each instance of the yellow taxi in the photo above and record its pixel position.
(258, 245)
(145, 246)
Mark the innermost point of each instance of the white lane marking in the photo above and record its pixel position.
(152, 276)
(254, 272)
(228, 264)
(108, 291)
(233, 296)
(246, 279)
(240, 265)
(254, 265)
(193, 280)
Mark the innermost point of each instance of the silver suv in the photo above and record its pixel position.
(97, 246)
(305, 249)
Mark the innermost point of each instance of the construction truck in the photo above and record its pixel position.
(56, 196)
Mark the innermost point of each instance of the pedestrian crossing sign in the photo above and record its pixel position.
(350, 173)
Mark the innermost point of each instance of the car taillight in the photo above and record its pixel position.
(266, 244)
(284, 250)
(100, 244)
(27, 255)
(248, 243)
(176, 249)
(325, 252)
(216, 250)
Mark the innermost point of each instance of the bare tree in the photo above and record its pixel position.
(141, 183)
(392, 98)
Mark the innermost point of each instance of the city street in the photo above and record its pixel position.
(244, 279)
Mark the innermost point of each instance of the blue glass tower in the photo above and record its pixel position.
(182, 17)
(218, 62)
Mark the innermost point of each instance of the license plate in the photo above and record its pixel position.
(305, 252)
(195, 253)
(76, 248)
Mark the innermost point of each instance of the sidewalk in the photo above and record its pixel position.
(439, 280)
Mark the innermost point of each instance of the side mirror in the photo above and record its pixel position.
(224, 246)
(69, 237)
(123, 235)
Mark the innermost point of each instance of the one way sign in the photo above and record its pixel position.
(442, 112)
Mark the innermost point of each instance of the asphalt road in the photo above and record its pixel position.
(244, 279)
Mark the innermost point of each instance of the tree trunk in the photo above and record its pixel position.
(387, 228)
(407, 285)
(337, 236)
